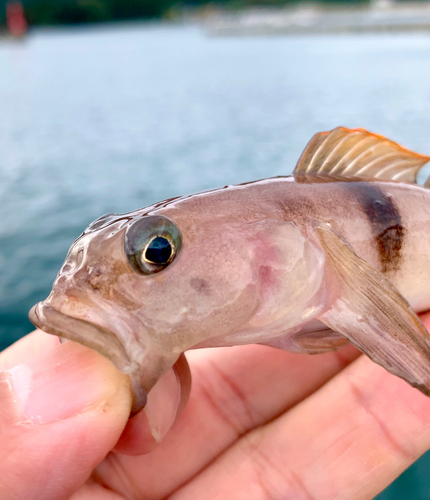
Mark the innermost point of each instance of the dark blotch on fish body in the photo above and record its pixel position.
(200, 285)
(385, 222)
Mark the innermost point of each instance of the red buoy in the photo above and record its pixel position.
(15, 19)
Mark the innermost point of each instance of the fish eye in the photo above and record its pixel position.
(152, 243)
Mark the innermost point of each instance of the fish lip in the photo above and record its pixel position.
(96, 337)
(52, 321)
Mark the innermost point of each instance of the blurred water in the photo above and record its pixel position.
(102, 120)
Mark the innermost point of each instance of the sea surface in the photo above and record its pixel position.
(113, 118)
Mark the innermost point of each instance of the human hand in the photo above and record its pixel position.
(260, 423)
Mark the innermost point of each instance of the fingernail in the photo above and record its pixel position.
(162, 405)
(62, 382)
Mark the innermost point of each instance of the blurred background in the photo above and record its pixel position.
(111, 105)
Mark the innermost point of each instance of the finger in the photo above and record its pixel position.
(347, 441)
(234, 390)
(60, 414)
(166, 401)
(27, 348)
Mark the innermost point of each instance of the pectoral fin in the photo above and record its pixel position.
(314, 342)
(368, 310)
(319, 342)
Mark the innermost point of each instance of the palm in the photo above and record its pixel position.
(263, 423)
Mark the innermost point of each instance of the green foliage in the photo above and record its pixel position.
(134, 9)
(68, 12)
(48, 12)
(240, 4)
(51, 12)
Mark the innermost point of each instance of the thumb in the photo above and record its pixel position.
(61, 412)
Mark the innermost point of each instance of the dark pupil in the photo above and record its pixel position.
(158, 251)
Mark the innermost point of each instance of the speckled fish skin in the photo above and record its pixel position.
(304, 263)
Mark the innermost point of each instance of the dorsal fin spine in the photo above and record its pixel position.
(309, 167)
(392, 166)
(374, 162)
(332, 154)
(358, 158)
(350, 152)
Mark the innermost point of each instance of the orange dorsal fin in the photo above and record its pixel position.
(357, 155)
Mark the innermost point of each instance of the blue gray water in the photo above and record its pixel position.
(110, 119)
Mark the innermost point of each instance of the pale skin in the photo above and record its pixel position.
(259, 424)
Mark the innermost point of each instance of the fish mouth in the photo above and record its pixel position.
(91, 335)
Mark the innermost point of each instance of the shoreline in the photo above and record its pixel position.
(316, 19)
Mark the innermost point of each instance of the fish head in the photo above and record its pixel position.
(142, 288)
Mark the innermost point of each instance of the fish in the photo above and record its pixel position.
(337, 253)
